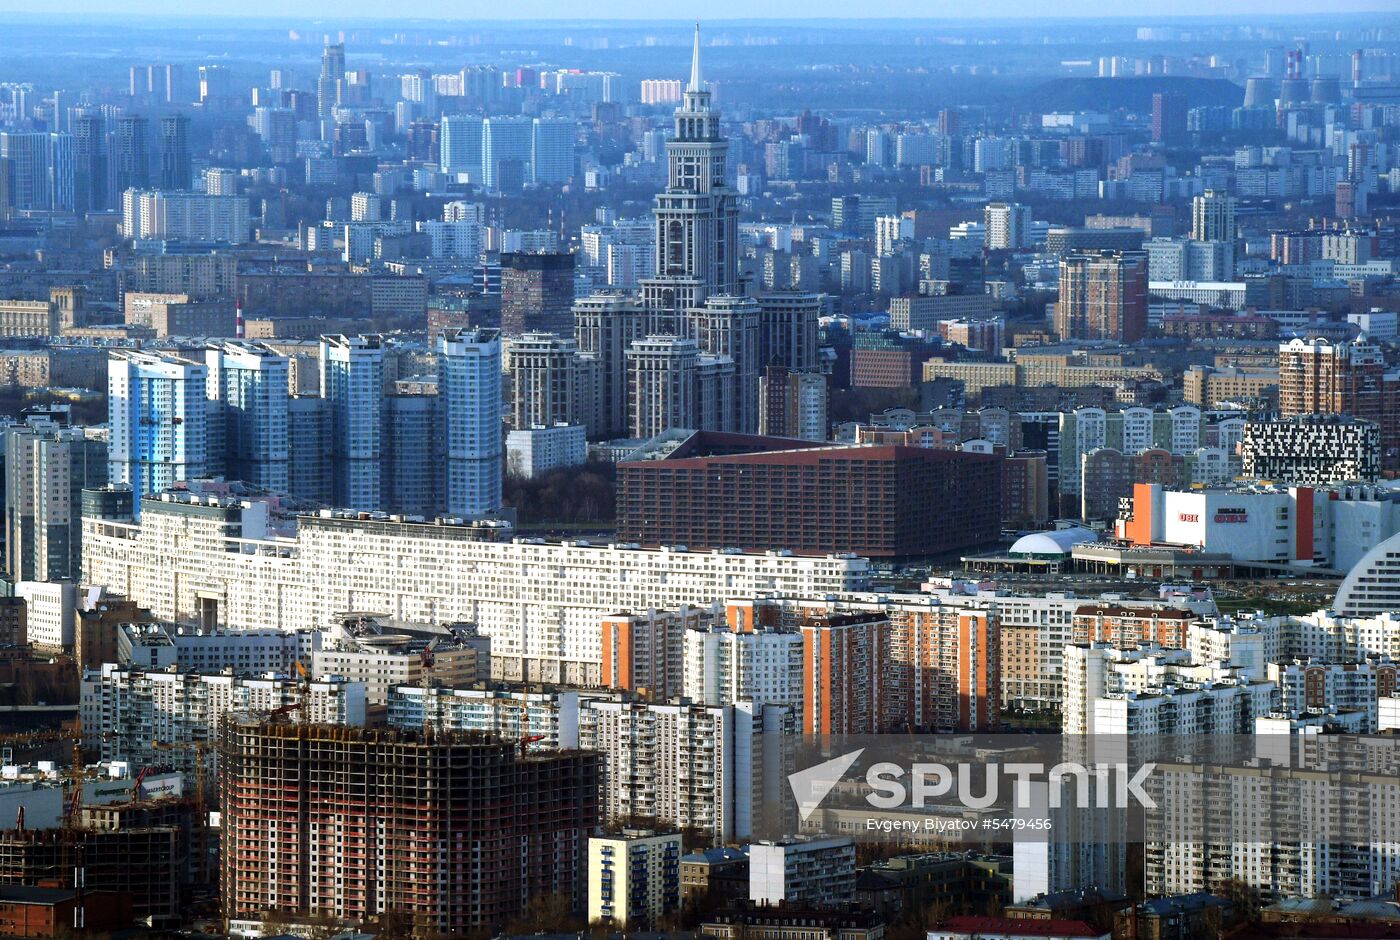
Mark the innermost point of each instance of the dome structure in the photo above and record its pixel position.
(1056, 543)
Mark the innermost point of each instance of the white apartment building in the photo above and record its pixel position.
(687, 765)
(1247, 645)
(380, 668)
(820, 872)
(184, 216)
(1289, 832)
(469, 397)
(1388, 714)
(158, 418)
(1148, 691)
(190, 649)
(51, 609)
(722, 667)
(547, 717)
(531, 452)
(1328, 637)
(210, 561)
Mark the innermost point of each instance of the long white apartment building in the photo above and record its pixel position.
(540, 720)
(1148, 691)
(212, 561)
(191, 649)
(125, 710)
(1324, 635)
(1289, 831)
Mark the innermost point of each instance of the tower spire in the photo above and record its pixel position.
(696, 84)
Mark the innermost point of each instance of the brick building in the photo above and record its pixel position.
(718, 491)
(1131, 627)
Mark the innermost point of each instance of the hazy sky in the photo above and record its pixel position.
(709, 9)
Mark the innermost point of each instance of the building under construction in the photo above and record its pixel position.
(146, 864)
(451, 829)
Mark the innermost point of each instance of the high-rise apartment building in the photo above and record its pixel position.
(793, 404)
(453, 831)
(661, 91)
(131, 154)
(1007, 226)
(552, 151)
(309, 474)
(184, 216)
(47, 466)
(722, 666)
(248, 422)
(661, 377)
(460, 145)
(1169, 118)
(730, 328)
(788, 330)
(27, 157)
(1103, 295)
(844, 674)
(537, 293)
(683, 764)
(507, 145)
(469, 400)
(1320, 376)
(352, 383)
(278, 129)
(1213, 217)
(90, 163)
(328, 85)
(175, 168)
(542, 374)
(157, 419)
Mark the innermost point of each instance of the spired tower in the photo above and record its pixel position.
(697, 214)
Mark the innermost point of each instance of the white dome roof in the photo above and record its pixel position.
(1053, 542)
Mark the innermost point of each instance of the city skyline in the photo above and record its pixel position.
(542, 477)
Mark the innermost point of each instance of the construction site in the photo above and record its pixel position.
(453, 830)
(134, 837)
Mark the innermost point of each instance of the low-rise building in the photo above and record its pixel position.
(532, 452)
(383, 653)
(756, 922)
(1009, 928)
